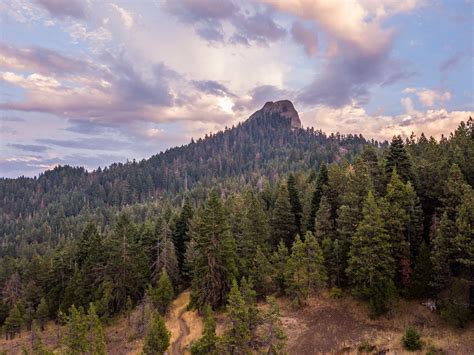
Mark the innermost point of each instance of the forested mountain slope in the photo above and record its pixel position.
(264, 147)
(262, 210)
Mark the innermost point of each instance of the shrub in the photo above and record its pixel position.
(412, 340)
(365, 347)
(335, 292)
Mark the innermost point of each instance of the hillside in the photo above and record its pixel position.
(275, 232)
(263, 148)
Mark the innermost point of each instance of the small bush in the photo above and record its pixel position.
(335, 293)
(412, 340)
(365, 347)
(433, 350)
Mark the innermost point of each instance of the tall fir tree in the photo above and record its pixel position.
(399, 159)
(370, 269)
(180, 232)
(279, 261)
(321, 185)
(166, 258)
(283, 220)
(207, 344)
(157, 338)
(296, 207)
(305, 271)
(214, 258)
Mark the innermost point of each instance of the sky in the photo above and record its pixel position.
(89, 82)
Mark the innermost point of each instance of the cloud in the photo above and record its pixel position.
(28, 147)
(212, 87)
(355, 119)
(359, 46)
(209, 17)
(257, 97)
(86, 143)
(306, 38)
(7, 118)
(41, 60)
(451, 62)
(429, 97)
(62, 9)
(127, 18)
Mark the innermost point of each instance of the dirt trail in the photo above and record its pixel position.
(185, 326)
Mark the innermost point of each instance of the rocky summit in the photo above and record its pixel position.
(283, 108)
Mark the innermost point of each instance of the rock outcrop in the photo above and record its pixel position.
(283, 108)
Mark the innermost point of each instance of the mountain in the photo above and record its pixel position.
(270, 143)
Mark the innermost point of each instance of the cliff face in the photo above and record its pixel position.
(283, 108)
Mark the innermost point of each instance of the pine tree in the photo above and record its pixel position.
(250, 297)
(283, 220)
(42, 313)
(279, 261)
(162, 295)
(324, 223)
(402, 221)
(96, 336)
(127, 265)
(399, 159)
(295, 202)
(214, 259)
(305, 271)
(370, 269)
(13, 322)
(157, 339)
(166, 258)
(321, 186)
(262, 272)
(237, 338)
(180, 232)
(207, 344)
(273, 336)
(422, 273)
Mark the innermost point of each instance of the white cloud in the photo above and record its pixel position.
(127, 18)
(429, 97)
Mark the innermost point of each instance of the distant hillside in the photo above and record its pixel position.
(270, 143)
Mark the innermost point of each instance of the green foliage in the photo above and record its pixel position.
(279, 260)
(42, 313)
(83, 332)
(370, 261)
(273, 338)
(13, 322)
(207, 344)
(295, 202)
(163, 294)
(180, 233)
(305, 271)
(455, 306)
(283, 220)
(422, 274)
(398, 159)
(411, 340)
(365, 347)
(214, 263)
(335, 293)
(321, 185)
(157, 338)
(263, 274)
(237, 338)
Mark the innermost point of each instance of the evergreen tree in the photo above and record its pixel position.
(207, 344)
(398, 159)
(237, 338)
(180, 232)
(324, 223)
(422, 273)
(13, 322)
(375, 170)
(126, 263)
(214, 260)
(162, 295)
(166, 258)
(273, 337)
(283, 220)
(279, 260)
(262, 272)
(370, 267)
(42, 313)
(157, 339)
(305, 271)
(295, 202)
(250, 297)
(321, 186)
(402, 221)
(83, 332)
